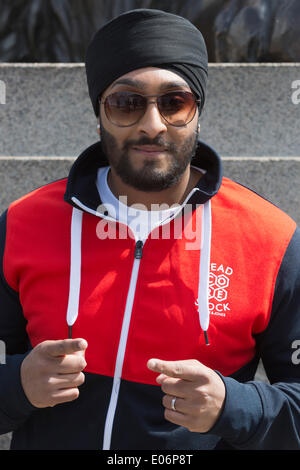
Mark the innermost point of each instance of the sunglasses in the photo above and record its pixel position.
(125, 109)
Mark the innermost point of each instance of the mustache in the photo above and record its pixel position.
(159, 141)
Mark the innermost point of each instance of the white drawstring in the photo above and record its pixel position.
(75, 267)
(204, 269)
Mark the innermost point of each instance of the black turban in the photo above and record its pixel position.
(146, 38)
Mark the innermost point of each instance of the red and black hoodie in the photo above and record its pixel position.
(239, 283)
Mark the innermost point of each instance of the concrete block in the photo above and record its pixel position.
(18, 176)
(249, 111)
(253, 109)
(276, 179)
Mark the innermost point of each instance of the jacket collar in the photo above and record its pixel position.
(81, 185)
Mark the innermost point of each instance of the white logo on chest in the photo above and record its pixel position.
(219, 283)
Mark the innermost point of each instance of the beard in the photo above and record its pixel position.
(149, 177)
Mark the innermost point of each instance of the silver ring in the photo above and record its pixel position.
(173, 404)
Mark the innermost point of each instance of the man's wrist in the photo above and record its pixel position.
(241, 413)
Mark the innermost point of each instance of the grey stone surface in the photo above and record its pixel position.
(20, 176)
(5, 441)
(276, 179)
(47, 110)
(249, 110)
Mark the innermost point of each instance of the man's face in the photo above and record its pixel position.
(150, 155)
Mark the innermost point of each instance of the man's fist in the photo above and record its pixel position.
(52, 372)
(195, 394)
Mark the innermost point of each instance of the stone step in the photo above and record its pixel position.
(251, 109)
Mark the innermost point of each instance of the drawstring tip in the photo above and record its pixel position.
(206, 338)
(70, 331)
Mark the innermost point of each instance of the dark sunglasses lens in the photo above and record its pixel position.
(125, 109)
(178, 108)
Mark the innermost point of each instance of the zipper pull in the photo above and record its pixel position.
(138, 252)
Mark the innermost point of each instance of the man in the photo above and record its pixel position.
(138, 295)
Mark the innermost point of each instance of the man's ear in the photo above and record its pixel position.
(98, 127)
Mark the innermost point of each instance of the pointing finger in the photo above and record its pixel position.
(187, 370)
(64, 346)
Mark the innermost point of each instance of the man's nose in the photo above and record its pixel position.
(152, 123)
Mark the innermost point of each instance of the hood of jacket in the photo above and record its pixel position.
(81, 185)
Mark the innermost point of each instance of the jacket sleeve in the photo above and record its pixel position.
(14, 405)
(259, 415)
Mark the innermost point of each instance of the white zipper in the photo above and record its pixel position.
(77, 219)
(108, 427)
(120, 356)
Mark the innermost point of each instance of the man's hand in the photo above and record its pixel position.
(199, 392)
(52, 372)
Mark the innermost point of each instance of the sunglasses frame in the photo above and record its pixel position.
(196, 101)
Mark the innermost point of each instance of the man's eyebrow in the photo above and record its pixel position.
(168, 85)
(130, 82)
(142, 86)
